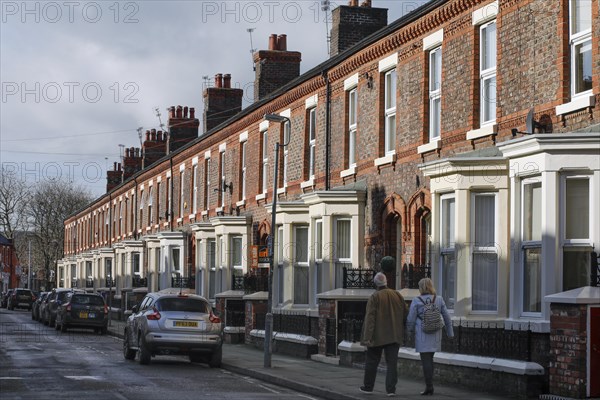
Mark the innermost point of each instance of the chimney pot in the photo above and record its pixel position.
(366, 4)
(126, 153)
(179, 112)
(115, 166)
(159, 136)
(147, 135)
(282, 42)
(185, 112)
(137, 152)
(153, 135)
(273, 42)
(353, 3)
(227, 81)
(219, 80)
(119, 167)
(172, 112)
(192, 112)
(131, 151)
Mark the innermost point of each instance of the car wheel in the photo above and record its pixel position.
(216, 358)
(128, 353)
(143, 351)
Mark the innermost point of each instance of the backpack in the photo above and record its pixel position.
(432, 317)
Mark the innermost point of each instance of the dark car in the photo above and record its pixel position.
(21, 298)
(35, 309)
(174, 324)
(4, 300)
(54, 300)
(83, 310)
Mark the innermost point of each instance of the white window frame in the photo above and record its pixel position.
(177, 268)
(239, 268)
(318, 255)
(287, 129)
(121, 205)
(150, 204)
(486, 74)
(576, 39)
(181, 192)
(223, 178)
(139, 265)
(265, 160)
(527, 245)
(435, 94)
(211, 267)
(280, 266)
(195, 194)
(450, 249)
(302, 264)
(207, 183)
(390, 78)
(243, 163)
(586, 244)
(312, 141)
(484, 248)
(352, 125)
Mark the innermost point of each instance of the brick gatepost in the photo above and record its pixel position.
(326, 311)
(568, 350)
(253, 307)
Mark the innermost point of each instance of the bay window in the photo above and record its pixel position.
(531, 245)
(484, 256)
(448, 253)
(301, 265)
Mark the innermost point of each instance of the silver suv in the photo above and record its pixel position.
(172, 324)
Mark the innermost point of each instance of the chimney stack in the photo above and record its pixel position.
(221, 102)
(154, 148)
(275, 67)
(352, 23)
(182, 129)
(114, 177)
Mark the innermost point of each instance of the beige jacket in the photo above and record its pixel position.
(384, 318)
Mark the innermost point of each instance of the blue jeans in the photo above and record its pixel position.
(391, 359)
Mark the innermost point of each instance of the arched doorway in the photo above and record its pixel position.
(393, 217)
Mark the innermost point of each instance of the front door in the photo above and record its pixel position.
(594, 352)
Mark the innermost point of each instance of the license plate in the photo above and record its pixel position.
(186, 324)
(83, 315)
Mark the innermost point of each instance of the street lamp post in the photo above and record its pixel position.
(269, 316)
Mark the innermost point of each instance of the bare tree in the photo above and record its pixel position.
(14, 196)
(50, 204)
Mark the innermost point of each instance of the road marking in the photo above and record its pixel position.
(84, 377)
(8, 378)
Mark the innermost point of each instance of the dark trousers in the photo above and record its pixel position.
(391, 359)
(427, 361)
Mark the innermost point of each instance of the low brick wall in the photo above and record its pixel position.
(516, 386)
(286, 347)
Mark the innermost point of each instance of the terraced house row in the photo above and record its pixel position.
(462, 139)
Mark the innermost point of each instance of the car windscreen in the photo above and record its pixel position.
(87, 300)
(182, 304)
(23, 293)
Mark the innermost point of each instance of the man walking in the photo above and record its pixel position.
(383, 331)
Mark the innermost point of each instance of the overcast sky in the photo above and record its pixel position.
(79, 77)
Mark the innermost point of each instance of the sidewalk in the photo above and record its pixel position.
(321, 379)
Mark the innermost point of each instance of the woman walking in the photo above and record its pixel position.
(427, 343)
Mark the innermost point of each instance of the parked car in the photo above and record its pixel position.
(174, 324)
(4, 300)
(20, 298)
(83, 310)
(42, 309)
(55, 299)
(35, 309)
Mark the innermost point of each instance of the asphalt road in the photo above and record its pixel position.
(38, 362)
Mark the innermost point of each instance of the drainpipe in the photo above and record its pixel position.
(171, 197)
(327, 129)
(110, 220)
(135, 210)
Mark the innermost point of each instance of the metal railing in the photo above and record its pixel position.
(184, 282)
(412, 274)
(138, 282)
(357, 278)
(110, 282)
(89, 283)
(594, 269)
(235, 314)
(250, 283)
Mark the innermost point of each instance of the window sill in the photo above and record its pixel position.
(148, 229)
(282, 190)
(241, 203)
(579, 102)
(388, 159)
(219, 210)
(308, 183)
(484, 131)
(431, 146)
(179, 220)
(348, 172)
(204, 213)
(192, 216)
(166, 224)
(261, 196)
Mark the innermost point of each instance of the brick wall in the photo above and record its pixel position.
(351, 24)
(568, 350)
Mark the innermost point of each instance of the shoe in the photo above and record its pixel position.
(364, 389)
(391, 394)
(428, 391)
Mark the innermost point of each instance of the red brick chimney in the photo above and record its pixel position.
(183, 127)
(154, 147)
(275, 67)
(132, 162)
(114, 177)
(221, 102)
(353, 23)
